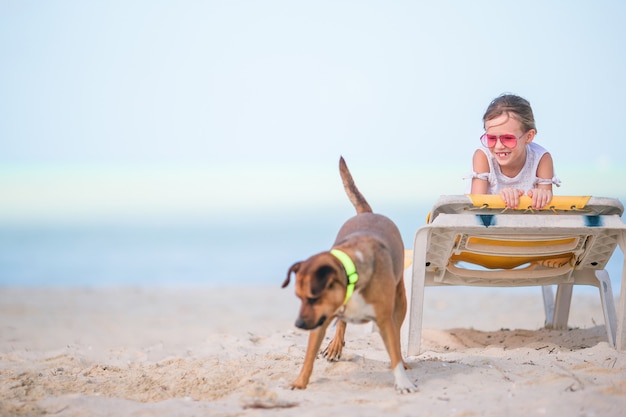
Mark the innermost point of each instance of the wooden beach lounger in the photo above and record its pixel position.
(473, 240)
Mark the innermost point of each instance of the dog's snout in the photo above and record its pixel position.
(303, 324)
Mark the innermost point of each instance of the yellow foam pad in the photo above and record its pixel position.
(557, 202)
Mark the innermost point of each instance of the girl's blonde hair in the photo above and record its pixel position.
(515, 106)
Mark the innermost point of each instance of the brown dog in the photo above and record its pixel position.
(359, 280)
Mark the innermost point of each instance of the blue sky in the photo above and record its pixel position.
(188, 106)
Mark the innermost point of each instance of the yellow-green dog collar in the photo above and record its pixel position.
(350, 268)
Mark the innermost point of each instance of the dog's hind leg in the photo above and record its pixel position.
(390, 336)
(333, 351)
(399, 312)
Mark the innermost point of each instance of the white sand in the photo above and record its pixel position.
(233, 352)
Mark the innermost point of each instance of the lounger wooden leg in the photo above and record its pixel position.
(548, 305)
(620, 336)
(416, 302)
(562, 304)
(608, 305)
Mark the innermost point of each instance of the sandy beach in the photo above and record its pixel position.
(234, 351)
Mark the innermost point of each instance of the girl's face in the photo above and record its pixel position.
(511, 158)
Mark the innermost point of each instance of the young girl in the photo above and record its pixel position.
(510, 164)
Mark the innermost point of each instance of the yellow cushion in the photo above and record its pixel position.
(503, 262)
(557, 202)
(510, 253)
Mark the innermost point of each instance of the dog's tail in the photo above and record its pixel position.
(357, 199)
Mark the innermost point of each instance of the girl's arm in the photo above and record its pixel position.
(480, 165)
(542, 194)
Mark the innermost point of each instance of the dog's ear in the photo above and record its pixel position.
(294, 268)
(322, 276)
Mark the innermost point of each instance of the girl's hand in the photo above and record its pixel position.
(511, 196)
(540, 197)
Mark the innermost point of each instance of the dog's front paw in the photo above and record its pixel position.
(403, 385)
(332, 353)
(406, 389)
(297, 384)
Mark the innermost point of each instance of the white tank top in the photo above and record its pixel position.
(525, 180)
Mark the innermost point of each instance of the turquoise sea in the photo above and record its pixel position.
(231, 251)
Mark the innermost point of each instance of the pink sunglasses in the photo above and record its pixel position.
(508, 140)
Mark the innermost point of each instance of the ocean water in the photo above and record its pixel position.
(95, 255)
(163, 252)
(232, 252)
